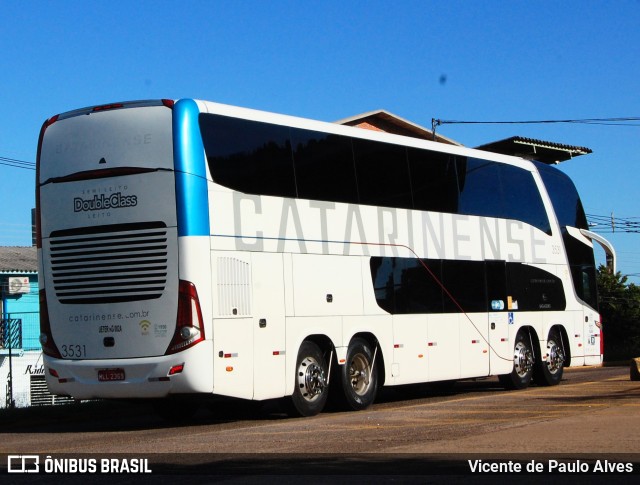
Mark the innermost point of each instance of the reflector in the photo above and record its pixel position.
(106, 107)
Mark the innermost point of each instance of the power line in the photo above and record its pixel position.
(14, 162)
(620, 121)
(612, 224)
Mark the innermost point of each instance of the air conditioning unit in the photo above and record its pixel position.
(18, 284)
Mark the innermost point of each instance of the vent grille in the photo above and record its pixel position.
(234, 287)
(109, 264)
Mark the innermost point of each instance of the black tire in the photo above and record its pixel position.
(549, 370)
(310, 393)
(523, 364)
(359, 376)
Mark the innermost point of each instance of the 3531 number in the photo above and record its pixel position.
(73, 351)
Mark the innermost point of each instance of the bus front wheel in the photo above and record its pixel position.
(311, 390)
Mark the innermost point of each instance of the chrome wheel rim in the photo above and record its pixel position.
(555, 360)
(360, 374)
(311, 379)
(522, 359)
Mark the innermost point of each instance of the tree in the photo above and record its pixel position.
(620, 314)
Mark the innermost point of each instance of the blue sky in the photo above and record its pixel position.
(453, 60)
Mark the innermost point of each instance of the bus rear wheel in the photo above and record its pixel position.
(311, 390)
(523, 364)
(549, 370)
(359, 375)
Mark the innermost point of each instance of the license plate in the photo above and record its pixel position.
(108, 375)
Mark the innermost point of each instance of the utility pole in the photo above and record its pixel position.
(434, 124)
(613, 223)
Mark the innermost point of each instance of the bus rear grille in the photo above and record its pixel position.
(107, 264)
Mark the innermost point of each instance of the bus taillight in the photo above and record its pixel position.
(46, 338)
(45, 125)
(189, 323)
(107, 107)
(599, 325)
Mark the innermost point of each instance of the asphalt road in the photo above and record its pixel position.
(594, 414)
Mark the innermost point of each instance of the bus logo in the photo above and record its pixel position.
(102, 202)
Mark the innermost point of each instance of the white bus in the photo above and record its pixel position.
(191, 247)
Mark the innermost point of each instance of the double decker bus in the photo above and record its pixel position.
(188, 247)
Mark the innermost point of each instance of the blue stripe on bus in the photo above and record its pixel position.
(191, 175)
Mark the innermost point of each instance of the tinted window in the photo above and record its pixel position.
(497, 190)
(534, 289)
(433, 180)
(522, 198)
(249, 156)
(481, 190)
(564, 197)
(324, 166)
(383, 174)
(266, 159)
(405, 285)
(569, 212)
(465, 283)
(419, 291)
(384, 282)
(583, 269)
(496, 276)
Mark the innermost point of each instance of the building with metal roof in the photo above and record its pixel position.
(532, 149)
(20, 354)
(19, 293)
(528, 148)
(382, 120)
(18, 259)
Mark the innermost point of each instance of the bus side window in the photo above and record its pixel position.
(324, 166)
(249, 156)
